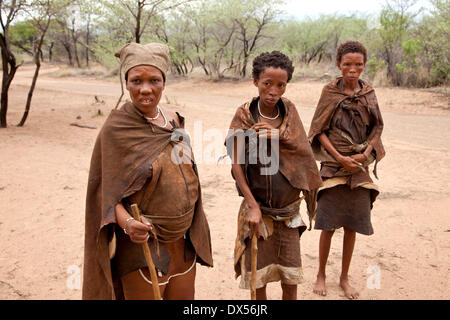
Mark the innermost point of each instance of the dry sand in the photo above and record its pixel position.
(44, 168)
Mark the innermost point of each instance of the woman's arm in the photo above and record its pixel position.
(368, 151)
(136, 230)
(362, 157)
(377, 129)
(350, 165)
(254, 216)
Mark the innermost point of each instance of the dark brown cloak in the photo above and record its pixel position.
(332, 96)
(296, 160)
(124, 151)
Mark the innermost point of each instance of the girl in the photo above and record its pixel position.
(271, 180)
(345, 135)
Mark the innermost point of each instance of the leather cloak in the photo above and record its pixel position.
(332, 96)
(122, 157)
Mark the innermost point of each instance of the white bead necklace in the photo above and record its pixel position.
(160, 111)
(157, 114)
(165, 119)
(268, 118)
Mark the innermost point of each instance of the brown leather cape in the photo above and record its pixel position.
(296, 160)
(123, 154)
(333, 95)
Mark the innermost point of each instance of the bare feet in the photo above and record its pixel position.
(319, 287)
(349, 291)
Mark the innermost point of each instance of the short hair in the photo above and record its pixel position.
(350, 47)
(274, 59)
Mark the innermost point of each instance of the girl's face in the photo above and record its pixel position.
(352, 65)
(271, 85)
(145, 84)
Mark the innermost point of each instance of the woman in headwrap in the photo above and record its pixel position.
(142, 157)
(272, 164)
(345, 135)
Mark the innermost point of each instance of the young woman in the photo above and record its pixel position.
(269, 131)
(132, 164)
(345, 135)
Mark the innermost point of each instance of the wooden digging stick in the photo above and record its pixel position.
(254, 262)
(148, 257)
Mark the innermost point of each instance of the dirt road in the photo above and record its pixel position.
(44, 168)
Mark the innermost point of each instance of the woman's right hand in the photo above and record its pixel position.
(349, 164)
(139, 231)
(254, 218)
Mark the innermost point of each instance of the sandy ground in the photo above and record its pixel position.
(44, 168)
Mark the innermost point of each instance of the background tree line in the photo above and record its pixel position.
(220, 37)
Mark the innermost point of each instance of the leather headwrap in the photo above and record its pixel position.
(152, 54)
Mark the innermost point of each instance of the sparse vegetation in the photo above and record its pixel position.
(217, 39)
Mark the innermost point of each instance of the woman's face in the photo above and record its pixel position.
(145, 84)
(271, 85)
(352, 65)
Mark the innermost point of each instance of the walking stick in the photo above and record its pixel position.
(254, 262)
(148, 257)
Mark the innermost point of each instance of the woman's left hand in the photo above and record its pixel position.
(360, 157)
(139, 231)
(265, 130)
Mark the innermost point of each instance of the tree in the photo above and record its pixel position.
(395, 20)
(89, 9)
(74, 34)
(9, 10)
(224, 46)
(317, 39)
(123, 21)
(21, 36)
(42, 12)
(137, 14)
(433, 33)
(222, 34)
(306, 40)
(68, 30)
(61, 34)
(252, 19)
(199, 34)
(172, 30)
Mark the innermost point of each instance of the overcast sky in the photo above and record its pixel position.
(312, 8)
